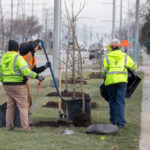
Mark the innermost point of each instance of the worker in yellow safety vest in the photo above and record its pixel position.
(27, 51)
(116, 65)
(13, 73)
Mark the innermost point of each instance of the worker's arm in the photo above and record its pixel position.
(39, 69)
(131, 65)
(42, 68)
(106, 67)
(22, 65)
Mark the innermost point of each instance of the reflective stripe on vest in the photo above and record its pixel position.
(14, 67)
(31, 74)
(107, 60)
(30, 60)
(125, 62)
(116, 72)
(132, 66)
(24, 67)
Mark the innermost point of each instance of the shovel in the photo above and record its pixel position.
(61, 115)
(34, 101)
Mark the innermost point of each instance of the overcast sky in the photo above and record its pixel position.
(94, 14)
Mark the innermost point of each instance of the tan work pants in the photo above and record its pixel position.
(29, 96)
(16, 95)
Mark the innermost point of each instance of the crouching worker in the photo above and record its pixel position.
(14, 71)
(116, 64)
(27, 51)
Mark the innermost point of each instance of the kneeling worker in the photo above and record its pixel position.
(27, 51)
(116, 64)
(14, 72)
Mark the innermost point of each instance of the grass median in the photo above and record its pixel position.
(50, 138)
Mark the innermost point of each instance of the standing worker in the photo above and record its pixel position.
(27, 51)
(115, 70)
(14, 72)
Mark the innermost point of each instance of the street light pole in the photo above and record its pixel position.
(11, 28)
(128, 36)
(136, 50)
(120, 20)
(57, 24)
(114, 19)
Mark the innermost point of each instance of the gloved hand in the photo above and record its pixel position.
(40, 77)
(48, 64)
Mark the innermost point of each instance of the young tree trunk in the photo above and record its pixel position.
(67, 59)
(73, 64)
(81, 75)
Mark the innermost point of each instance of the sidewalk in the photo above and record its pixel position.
(144, 143)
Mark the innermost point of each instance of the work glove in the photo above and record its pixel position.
(48, 64)
(40, 77)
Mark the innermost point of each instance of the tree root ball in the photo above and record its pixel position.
(81, 120)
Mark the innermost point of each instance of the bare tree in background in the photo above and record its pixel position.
(22, 28)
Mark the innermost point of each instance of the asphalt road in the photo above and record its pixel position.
(41, 60)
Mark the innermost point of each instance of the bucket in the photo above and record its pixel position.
(74, 107)
(3, 117)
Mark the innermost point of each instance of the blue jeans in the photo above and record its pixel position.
(116, 95)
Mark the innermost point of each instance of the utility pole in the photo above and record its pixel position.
(2, 25)
(136, 50)
(32, 15)
(57, 24)
(23, 19)
(114, 19)
(120, 20)
(128, 36)
(11, 28)
(18, 5)
(91, 35)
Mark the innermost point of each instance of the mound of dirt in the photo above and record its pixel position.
(81, 120)
(69, 94)
(94, 105)
(52, 123)
(96, 75)
(51, 105)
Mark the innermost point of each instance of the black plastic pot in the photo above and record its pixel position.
(74, 107)
(3, 117)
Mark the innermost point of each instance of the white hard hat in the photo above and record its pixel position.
(115, 43)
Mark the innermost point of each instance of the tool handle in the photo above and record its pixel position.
(56, 86)
(43, 45)
(38, 86)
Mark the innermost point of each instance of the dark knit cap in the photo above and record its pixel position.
(29, 45)
(13, 45)
(35, 43)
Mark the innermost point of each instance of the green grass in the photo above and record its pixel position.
(49, 138)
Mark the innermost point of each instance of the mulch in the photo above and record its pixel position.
(52, 123)
(53, 104)
(96, 75)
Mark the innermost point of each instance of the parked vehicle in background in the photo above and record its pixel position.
(95, 50)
